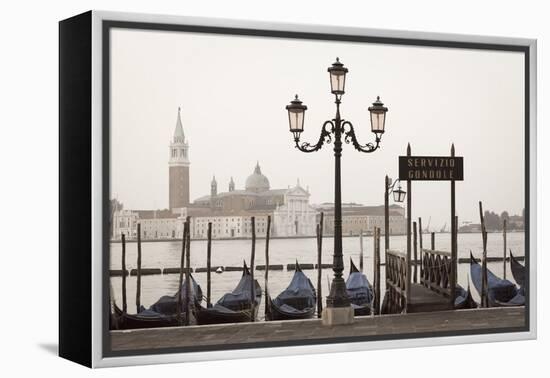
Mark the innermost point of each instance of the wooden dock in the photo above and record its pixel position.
(423, 300)
(420, 324)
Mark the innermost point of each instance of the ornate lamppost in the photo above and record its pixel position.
(398, 196)
(338, 309)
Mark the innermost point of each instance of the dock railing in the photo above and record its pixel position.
(397, 281)
(436, 271)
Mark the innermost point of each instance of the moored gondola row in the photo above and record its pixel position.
(188, 306)
(493, 290)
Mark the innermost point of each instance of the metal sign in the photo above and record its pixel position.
(431, 168)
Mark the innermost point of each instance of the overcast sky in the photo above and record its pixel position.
(233, 91)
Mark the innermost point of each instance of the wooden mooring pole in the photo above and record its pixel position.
(504, 247)
(252, 257)
(377, 272)
(188, 273)
(420, 244)
(138, 280)
(320, 266)
(266, 277)
(182, 267)
(361, 251)
(454, 238)
(433, 241)
(484, 283)
(209, 265)
(123, 265)
(415, 249)
(374, 264)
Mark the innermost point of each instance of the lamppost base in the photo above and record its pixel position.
(337, 316)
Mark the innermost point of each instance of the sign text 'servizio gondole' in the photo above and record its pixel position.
(431, 168)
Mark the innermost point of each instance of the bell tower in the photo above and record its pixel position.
(178, 166)
(213, 187)
(213, 192)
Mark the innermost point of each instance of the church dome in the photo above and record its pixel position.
(257, 182)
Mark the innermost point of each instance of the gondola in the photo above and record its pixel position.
(233, 307)
(359, 291)
(168, 304)
(501, 293)
(518, 270)
(144, 319)
(162, 313)
(463, 298)
(297, 301)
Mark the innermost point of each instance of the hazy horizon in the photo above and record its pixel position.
(233, 91)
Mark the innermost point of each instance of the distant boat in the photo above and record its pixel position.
(501, 293)
(297, 301)
(359, 291)
(162, 313)
(233, 307)
(518, 270)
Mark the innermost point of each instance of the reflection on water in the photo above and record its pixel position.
(282, 251)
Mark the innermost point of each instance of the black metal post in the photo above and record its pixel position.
(339, 129)
(338, 296)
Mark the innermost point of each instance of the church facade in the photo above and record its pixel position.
(290, 211)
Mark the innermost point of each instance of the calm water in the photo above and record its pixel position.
(281, 251)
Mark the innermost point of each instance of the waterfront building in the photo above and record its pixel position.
(124, 222)
(228, 226)
(295, 216)
(160, 224)
(357, 218)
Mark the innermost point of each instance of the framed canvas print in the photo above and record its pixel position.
(232, 189)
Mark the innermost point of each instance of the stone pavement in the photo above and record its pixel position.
(278, 331)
